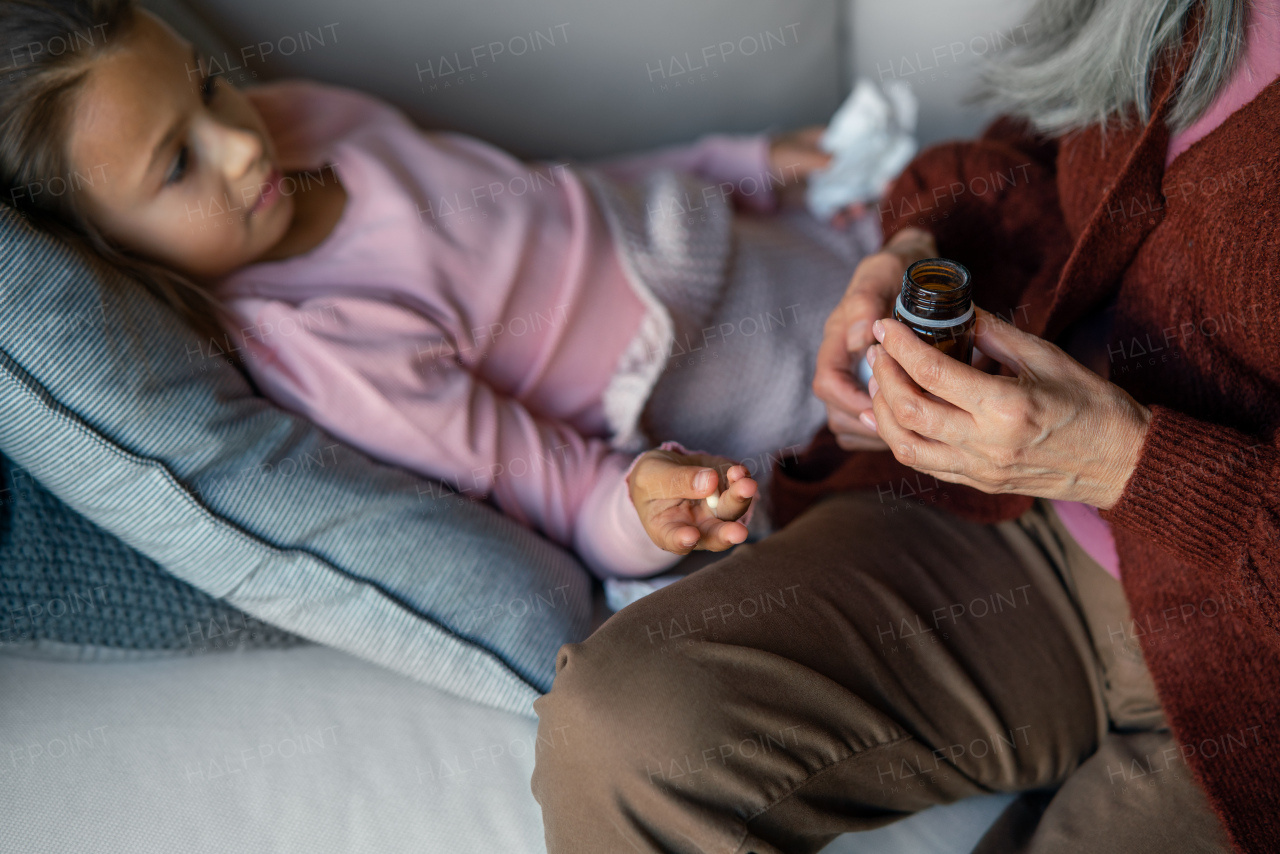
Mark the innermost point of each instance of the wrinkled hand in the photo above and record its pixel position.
(847, 334)
(1053, 430)
(670, 491)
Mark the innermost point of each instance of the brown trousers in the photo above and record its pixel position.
(870, 660)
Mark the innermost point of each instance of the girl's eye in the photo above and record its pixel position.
(208, 87)
(180, 163)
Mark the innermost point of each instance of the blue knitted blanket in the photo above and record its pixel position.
(65, 580)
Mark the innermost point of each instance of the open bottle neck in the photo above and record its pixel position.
(936, 292)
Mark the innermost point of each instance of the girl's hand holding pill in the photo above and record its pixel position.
(691, 501)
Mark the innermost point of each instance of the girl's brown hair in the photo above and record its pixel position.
(50, 45)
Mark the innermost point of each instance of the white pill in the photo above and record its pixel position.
(713, 501)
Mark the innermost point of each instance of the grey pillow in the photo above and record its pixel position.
(131, 420)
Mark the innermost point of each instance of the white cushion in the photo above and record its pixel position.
(299, 750)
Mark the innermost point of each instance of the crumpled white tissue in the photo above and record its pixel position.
(871, 139)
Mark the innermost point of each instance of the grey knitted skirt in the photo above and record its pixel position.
(740, 383)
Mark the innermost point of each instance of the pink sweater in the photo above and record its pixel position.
(465, 316)
(1258, 67)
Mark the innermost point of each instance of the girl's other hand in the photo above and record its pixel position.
(845, 217)
(792, 158)
(795, 155)
(670, 492)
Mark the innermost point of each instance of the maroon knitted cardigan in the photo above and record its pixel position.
(1052, 231)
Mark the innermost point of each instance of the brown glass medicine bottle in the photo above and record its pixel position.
(936, 301)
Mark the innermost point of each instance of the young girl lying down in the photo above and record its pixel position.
(516, 330)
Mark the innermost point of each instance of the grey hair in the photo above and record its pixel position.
(1089, 62)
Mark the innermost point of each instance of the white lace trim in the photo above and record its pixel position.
(638, 368)
(683, 261)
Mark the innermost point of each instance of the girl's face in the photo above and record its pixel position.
(191, 179)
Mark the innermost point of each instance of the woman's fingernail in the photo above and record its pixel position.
(877, 329)
(871, 356)
(873, 387)
(705, 480)
(867, 418)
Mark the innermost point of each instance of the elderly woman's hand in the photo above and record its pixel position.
(1054, 430)
(847, 334)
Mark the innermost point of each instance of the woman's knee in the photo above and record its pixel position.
(600, 710)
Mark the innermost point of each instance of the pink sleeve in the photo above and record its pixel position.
(740, 164)
(367, 372)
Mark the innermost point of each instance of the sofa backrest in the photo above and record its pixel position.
(581, 78)
(936, 46)
(576, 78)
